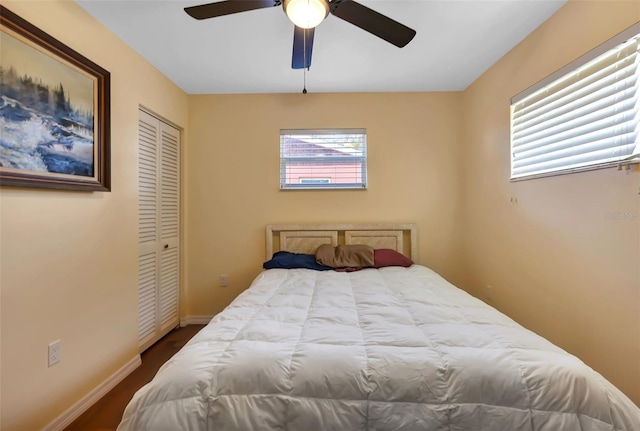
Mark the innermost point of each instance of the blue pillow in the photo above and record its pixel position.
(288, 260)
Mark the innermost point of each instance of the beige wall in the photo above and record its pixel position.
(556, 263)
(69, 259)
(413, 166)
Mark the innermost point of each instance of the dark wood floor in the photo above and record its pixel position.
(105, 415)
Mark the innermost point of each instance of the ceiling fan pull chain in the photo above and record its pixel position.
(304, 88)
(305, 65)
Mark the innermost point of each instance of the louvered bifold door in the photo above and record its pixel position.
(148, 180)
(158, 227)
(169, 226)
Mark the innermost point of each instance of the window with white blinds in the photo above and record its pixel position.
(585, 116)
(323, 159)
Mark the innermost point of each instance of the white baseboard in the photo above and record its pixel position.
(195, 320)
(66, 418)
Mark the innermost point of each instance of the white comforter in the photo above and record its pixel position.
(389, 349)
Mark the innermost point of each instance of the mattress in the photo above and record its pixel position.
(377, 349)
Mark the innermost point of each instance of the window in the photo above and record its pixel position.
(323, 159)
(585, 116)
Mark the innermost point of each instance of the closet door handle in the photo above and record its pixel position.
(166, 246)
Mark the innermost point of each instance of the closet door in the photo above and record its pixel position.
(158, 229)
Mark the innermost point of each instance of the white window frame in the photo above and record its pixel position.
(360, 160)
(562, 125)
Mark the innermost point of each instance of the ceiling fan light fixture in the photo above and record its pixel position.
(306, 13)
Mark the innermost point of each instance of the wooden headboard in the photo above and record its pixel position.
(306, 238)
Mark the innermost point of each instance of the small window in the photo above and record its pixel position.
(583, 117)
(323, 159)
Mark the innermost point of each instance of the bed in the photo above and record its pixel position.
(389, 348)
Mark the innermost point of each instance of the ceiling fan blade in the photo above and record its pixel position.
(373, 22)
(302, 48)
(228, 7)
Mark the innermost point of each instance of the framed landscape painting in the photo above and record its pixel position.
(54, 112)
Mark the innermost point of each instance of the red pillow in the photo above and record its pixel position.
(387, 257)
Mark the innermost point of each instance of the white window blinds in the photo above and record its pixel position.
(585, 116)
(323, 159)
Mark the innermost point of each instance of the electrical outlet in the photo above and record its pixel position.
(489, 292)
(54, 353)
(223, 280)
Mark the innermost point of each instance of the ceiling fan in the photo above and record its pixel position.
(307, 14)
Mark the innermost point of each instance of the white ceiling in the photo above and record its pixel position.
(250, 52)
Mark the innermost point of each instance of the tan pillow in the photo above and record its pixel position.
(341, 256)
